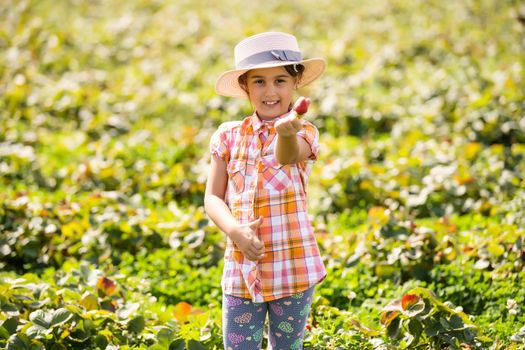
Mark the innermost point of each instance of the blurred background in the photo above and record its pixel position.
(106, 110)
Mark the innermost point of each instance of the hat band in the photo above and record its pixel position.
(266, 56)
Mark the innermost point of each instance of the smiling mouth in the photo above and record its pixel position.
(270, 103)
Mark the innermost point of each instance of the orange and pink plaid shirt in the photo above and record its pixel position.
(259, 186)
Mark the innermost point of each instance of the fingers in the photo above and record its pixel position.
(292, 121)
(296, 124)
(257, 244)
(256, 223)
(289, 125)
(255, 254)
(255, 249)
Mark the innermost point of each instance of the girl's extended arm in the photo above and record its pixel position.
(290, 148)
(244, 236)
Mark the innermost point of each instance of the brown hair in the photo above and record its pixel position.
(295, 70)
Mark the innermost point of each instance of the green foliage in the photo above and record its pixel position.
(492, 299)
(375, 261)
(419, 315)
(336, 329)
(84, 309)
(176, 277)
(79, 310)
(420, 175)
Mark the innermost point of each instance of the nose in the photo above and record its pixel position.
(270, 90)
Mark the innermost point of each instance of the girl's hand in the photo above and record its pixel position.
(245, 237)
(289, 125)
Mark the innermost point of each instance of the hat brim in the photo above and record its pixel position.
(227, 83)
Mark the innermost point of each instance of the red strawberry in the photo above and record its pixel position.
(301, 106)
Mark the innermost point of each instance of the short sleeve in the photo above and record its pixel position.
(219, 144)
(222, 140)
(311, 135)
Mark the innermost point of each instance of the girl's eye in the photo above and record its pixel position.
(259, 82)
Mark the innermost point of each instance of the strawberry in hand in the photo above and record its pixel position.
(291, 124)
(301, 105)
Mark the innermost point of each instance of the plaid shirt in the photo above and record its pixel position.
(259, 186)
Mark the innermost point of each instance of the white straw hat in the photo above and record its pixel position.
(265, 50)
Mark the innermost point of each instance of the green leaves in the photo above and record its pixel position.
(420, 318)
(47, 323)
(41, 318)
(59, 317)
(124, 315)
(137, 324)
(19, 342)
(412, 305)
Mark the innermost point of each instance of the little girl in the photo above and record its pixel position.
(256, 194)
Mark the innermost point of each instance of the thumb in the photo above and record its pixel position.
(257, 223)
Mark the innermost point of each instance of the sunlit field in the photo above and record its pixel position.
(417, 198)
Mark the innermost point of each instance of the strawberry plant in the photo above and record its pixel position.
(84, 309)
(420, 318)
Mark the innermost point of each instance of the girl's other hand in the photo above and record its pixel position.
(245, 237)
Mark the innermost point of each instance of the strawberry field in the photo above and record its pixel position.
(417, 199)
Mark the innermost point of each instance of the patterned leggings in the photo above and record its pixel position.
(243, 321)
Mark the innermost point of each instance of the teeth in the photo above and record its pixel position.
(271, 102)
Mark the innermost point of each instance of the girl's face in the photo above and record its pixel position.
(270, 91)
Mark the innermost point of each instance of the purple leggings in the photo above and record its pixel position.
(243, 321)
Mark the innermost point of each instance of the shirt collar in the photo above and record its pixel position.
(258, 123)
